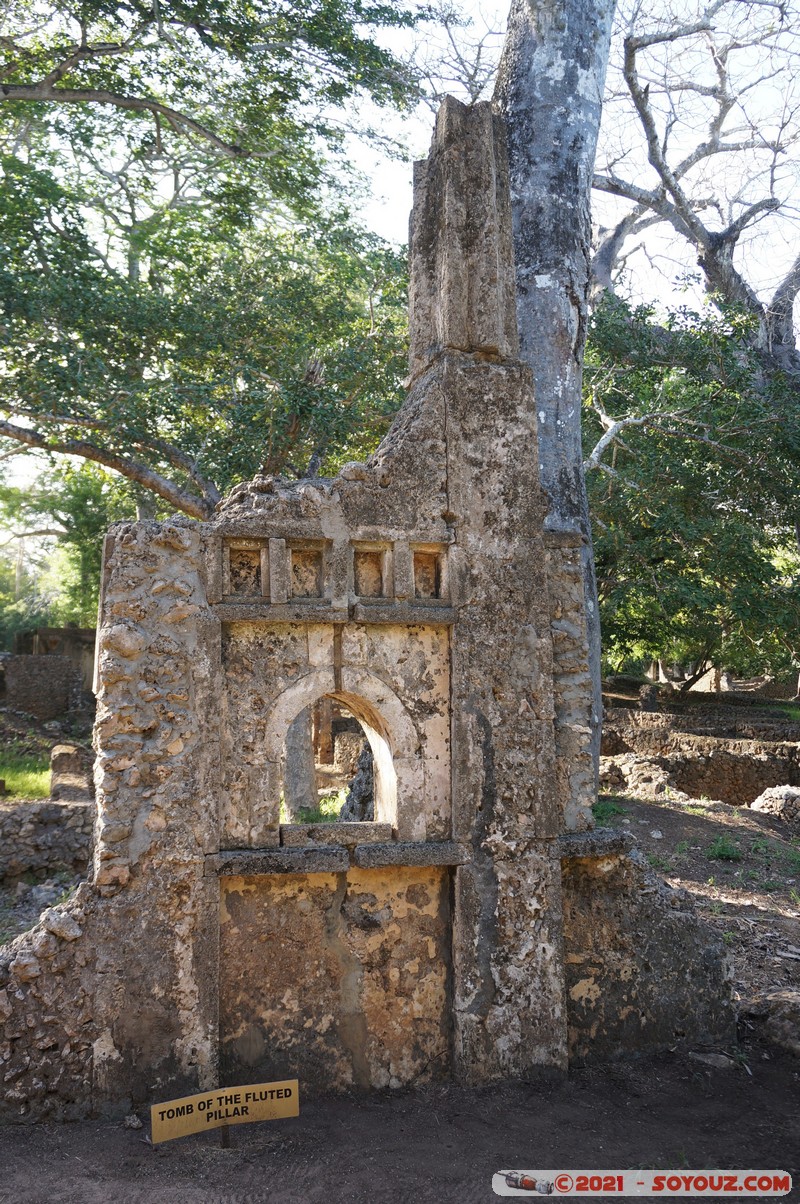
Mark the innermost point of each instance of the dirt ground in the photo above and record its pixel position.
(433, 1145)
(742, 869)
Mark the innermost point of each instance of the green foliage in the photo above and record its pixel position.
(261, 81)
(25, 774)
(184, 295)
(330, 805)
(722, 848)
(606, 808)
(327, 811)
(261, 349)
(695, 506)
(59, 578)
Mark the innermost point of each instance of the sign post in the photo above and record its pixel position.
(222, 1107)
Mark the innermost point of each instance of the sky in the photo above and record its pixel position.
(663, 269)
(387, 210)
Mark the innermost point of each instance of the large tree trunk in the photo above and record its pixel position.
(550, 90)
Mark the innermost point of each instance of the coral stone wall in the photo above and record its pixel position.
(44, 835)
(728, 768)
(342, 979)
(643, 972)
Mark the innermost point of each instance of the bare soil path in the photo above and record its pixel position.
(435, 1145)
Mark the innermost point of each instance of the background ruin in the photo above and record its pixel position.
(477, 927)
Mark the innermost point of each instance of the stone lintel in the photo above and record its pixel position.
(410, 852)
(245, 862)
(320, 610)
(317, 610)
(601, 842)
(335, 859)
(403, 612)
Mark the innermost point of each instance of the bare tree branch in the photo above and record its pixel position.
(189, 503)
(46, 92)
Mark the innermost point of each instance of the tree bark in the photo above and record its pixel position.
(549, 90)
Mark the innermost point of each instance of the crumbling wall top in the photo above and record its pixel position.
(462, 292)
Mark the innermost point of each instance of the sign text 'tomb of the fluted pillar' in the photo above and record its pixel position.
(224, 1106)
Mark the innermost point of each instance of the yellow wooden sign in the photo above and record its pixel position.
(225, 1106)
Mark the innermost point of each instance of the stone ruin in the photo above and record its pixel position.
(477, 927)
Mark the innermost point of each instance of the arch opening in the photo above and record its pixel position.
(337, 764)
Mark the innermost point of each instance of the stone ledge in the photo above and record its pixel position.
(321, 610)
(327, 859)
(245, 862)
(562, 537)
(297, 836)
(312, 610)
(400, 852)
(403, 612)
(601, 842)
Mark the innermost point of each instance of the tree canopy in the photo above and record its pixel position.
(693, 477)
(185, 296)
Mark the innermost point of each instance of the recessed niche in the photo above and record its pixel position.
(245, 571)
(368, 572)
(307, 573)
(427, 575)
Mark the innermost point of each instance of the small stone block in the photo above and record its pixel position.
(347, 835)
(601, 842)
(401, 852)
(278, 571)
(427, 575)
(245, 571)
(307, 573)
(368, 573)
(245, 862)
(299, 610)
(339, 571)
(403, 570)
(403, 612)
(214, 571)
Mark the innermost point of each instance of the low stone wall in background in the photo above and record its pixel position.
(42, 835)
(733, 770)
(44, 686)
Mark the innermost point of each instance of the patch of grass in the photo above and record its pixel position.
(606, 808)
(729, 937)
(328, 810)
(8, 928)
(789, 711)
(696, 809)
(795, 897)
(792, 857)
(682, 848)
(659, 863)
(722, 848)
(26, 774)
(770, 885)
